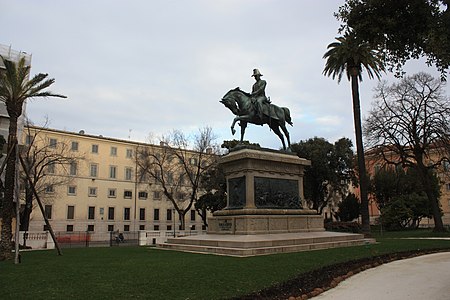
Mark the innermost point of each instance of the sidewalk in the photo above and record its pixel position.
(423, 277)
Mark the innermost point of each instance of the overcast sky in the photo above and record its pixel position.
(132, 69)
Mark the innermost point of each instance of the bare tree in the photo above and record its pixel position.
(408, 125)
(178, 167)
(48, 165)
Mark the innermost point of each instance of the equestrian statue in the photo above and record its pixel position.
(257, 109)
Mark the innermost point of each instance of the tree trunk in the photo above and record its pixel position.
(203, 214)
(434, 201)
(8, 202)
(182, 220)
(361, 161)
(26, 212)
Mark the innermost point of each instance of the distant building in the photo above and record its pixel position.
(103, 192)
(374, 163)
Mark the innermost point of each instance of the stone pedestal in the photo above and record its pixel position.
(265, 211)
(265, 195)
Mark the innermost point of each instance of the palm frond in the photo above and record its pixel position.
(348, 54)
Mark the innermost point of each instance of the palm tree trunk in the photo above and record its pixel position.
(361, 160)
(8, 201)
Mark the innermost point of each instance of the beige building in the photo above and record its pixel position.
(101, 191)
(376, 162)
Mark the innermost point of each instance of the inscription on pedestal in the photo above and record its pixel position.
(276, 193)
(225, 225)
(236, 189)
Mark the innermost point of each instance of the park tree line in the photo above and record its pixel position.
(379, 35)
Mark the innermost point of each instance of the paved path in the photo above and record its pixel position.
(424, 277)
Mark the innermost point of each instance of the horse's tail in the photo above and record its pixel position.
(287, 116)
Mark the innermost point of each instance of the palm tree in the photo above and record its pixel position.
(351, 55)
(15, 89)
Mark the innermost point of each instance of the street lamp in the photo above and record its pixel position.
(173, 209)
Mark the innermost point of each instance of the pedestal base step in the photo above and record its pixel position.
(252, 245)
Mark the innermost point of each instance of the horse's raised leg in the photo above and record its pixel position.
(243, 126)
(276, 129)
(233, 131)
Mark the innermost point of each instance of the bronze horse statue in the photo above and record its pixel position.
(240, 103)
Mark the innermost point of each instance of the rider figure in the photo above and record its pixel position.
(258, 94)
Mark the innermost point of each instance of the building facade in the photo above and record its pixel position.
(101, 190)
(374, 163)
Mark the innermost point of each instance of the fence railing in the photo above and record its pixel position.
(78, 239)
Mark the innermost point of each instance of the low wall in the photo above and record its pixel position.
(34, 239)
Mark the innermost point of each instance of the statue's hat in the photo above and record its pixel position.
(256, 72)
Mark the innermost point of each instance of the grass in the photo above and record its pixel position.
(141, 272)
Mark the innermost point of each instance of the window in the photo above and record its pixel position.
(70, 212)
(51, 168)
(193, 161)
(74, 146)
(110, 227)
(110, 214)
(91, 212)
(52, 143)
(69, 228)
(192, 227)
(128, 173)
(48, 211)
(127, 194)
(113, 151)
(71, 190)
(143, 177)
(169, 178)
(192, 215)
(94, 170)
(180, 196)
(73, 168)
(94, 148)
(90, 228)
(129, 153)
(112, 172)
(29, 140)
(49, 189)
(142, 214)
(126, 213)
(112, 193)
(448, 186)
(169, 215)
(156, 227)
(126, 227)
(181, 179)
(169, 227)
(143, 195)
(156, 214)
(157, 195)
(92, 192)
(141, 227)
(157, 176)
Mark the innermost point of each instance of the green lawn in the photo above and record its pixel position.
(148, 273)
